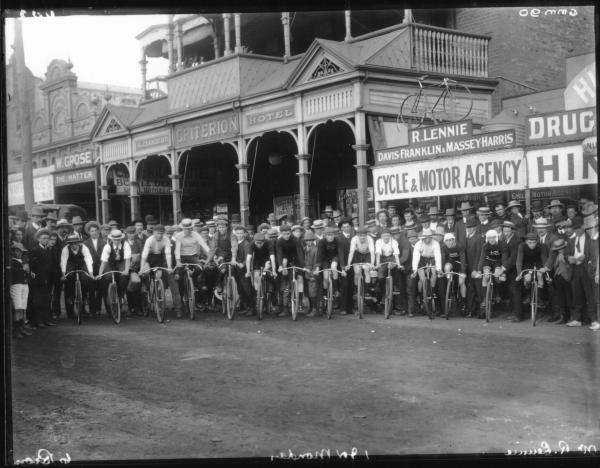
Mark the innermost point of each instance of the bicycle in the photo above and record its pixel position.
(489, 294)
(360, 288)
(427, 291)
(294, 293)
(113, 296)
(188, 295)
(533, 298)
(451, 293)
(230, 292)
(78, 299)
(389, 289)
(154, 296)
(263, 299)
(329, 300)
(417, 106)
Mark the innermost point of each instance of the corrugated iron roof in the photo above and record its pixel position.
(125, 114)
(151, 111)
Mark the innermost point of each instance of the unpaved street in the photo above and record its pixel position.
(215, 388)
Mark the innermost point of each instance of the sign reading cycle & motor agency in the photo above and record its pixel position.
(445, 140)
(486, 172)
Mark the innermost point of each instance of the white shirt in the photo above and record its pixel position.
(368, 246)
(153, 246)
(106, 252)
(87, 258)
(431, 250)
(387, 248)
(189, 244)
(579, 251)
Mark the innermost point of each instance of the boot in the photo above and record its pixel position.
(21, 327)
(17, 333)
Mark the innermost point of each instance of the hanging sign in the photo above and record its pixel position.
(75, 160)
(207, 129)
(78, 176)
(555, 127)
(560, 166)
(486, 172)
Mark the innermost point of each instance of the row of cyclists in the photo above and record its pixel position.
(341, 251)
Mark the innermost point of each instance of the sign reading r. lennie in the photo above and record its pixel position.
(205, 130)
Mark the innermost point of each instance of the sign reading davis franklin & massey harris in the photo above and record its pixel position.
(445, 140)
(483, 172)
(207, 129)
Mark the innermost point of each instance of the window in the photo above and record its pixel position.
(34, 165)
(44, 163)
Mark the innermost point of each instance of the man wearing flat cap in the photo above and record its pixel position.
(33, 226)
(41, 264)
(94, 244)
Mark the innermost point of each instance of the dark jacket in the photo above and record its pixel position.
(95, 253)
(474, 246)
(511, 258)
(41, 263)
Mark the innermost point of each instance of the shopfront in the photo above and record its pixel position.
(43, 187)
(75, 180)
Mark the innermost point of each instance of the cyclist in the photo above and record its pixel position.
(386, 250)
(239, 272)
(311, 276)
(409, 278)
(289, 253)
(75, 256)
(532, 253)
(454, 259)
(116, 254)
(362, 250)
(261, 254)
(494, 256)
(427, 253)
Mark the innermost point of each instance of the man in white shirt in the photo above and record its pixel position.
(75, 256)
(427, 252)
(116, 255)
(386, 250)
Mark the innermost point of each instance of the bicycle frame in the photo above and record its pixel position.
(451, 291)
(533, 301)
(294, 294)
(115, 303)
(229, 299)
(389, 288)
(427, 290)
(78, 299)
(189, 289)
(360, 286)
(156, 284)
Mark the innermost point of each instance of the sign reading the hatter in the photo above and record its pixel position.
(498, 170)
(566, 165)
(445, 140)
(561, 126)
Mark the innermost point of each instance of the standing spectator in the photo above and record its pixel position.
(465, 211)
(94, 244)
(33, 226)
(578, 255)
(41, 264)
(473, 249)
(104, 232)
(139, 230)
(50, 222)
(561, 279)
(345, 238)
(19, 290)
(78, 225)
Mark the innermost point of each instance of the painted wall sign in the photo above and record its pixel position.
(150, 143)
(43, 190)
(581, 90)
(205, 130)
(78, 176)
(436, 133)
(559, 166)
(277, 114)
(497, 170)
(463, 144)
(560, 126)
(71, 161)
(147, 186)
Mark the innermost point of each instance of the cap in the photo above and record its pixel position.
(371, 223)
(63, 223)
(386, 231)
(41, 232)
(330, 230)
(559, 244)
(76, 220)
(130, 230)
(170, 229)
(450, 212)
(272, 232)
(285, 227)
(297, 226)
(491, 233)
(235, 218)
(262, 226)
(531, 236)
(362, 230)
(159, 228)
(150, 219)
(472, 222)
(424, 219)
(259, 237)
(449, 236)
(89, 225)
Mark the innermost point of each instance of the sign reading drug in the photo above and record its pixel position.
(561, 126)
(562, 166)
(496, 170)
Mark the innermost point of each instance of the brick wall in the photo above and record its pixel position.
(526, 49)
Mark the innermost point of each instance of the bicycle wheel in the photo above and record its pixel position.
(294, 299)
(449, 299)
(260, 299)
(360, 295)
(389, 285)
(230, 298)
(427, 299)
(191, 296)
(329, 297)
(489, 297)
(77, 303)
(457, 102)
(412, 110)
(534, 301)
(113, 300)
(159, 300)
(145, 302)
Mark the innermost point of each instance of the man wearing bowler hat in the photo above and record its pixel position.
(556, 209)
(465, 210)
(582, 287)
(33, 226)
(516, 217)
(78, 224)
(42, 270)
(50, 222)
(94, 244)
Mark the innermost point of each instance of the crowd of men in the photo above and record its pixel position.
(491, 243)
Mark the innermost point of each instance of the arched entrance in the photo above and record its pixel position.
(209, 181)
(154, 188)
(332, 175)
(117, 179)
(273, 183)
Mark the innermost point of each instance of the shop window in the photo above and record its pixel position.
(44, 163)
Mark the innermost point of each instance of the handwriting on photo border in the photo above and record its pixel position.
(562, 448)
(44, 457)
(319, 455)
(537, 12)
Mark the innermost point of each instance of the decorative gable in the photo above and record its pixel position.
(325, 68)
(113, 126)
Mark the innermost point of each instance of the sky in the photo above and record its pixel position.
(103, 49)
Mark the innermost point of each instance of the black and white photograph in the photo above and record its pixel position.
(289, 233)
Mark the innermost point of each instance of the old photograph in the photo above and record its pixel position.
(317, 234)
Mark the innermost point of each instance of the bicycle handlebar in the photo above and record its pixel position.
(330, 269)
(532, 270)
(347, 267)
(78, 271)
(154, 269)
(389, 263)
(195, 265)
(295, 268)
(109, 272)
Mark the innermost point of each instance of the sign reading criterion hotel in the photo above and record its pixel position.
(206, 130)
(445, 140)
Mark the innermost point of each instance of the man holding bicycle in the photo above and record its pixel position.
(75, 256)
(386, 251)
(427, 253)
(455, 260)
(261, 254)
(189, 246)
(289, 253)
(116, 254)
(493, 256)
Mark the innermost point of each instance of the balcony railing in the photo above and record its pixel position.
(447, 51)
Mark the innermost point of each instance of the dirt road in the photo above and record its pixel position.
(215, 388)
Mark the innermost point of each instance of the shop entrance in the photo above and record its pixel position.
(78, 194)
(273, 183)
(332, 178)
(209, 181)
(152, 175)
(117, 179)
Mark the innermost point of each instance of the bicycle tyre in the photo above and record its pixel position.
(159, 300)
(260, 299)
(77, 303)
(451, 101)
(489, 295)
(387, 305)
(427, 299)
(115, 306)
(230, 299)
(449, 299)
(534, 300)
(294, 299)
(191, 297)
(409, 111)
(360, 296)
(329, 297)
(145, 302)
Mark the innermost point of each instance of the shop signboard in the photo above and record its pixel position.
(561, 166)
(445, 140)
(581, 90)
(77, 176)
(43, 186)
(206, 130)
(151, 142)
(75, 160)
(147, 186)
(283, 205)
(557, 127)
(271, 116)
(485, 172)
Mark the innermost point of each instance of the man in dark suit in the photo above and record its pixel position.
(579, 253)
(32, 227)
(347, 282)
(95, 244)
(465, 211)
(63, 229)
(473, 246)
(514, 288)
(40, 264)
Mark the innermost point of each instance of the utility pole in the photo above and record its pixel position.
(23, 106)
